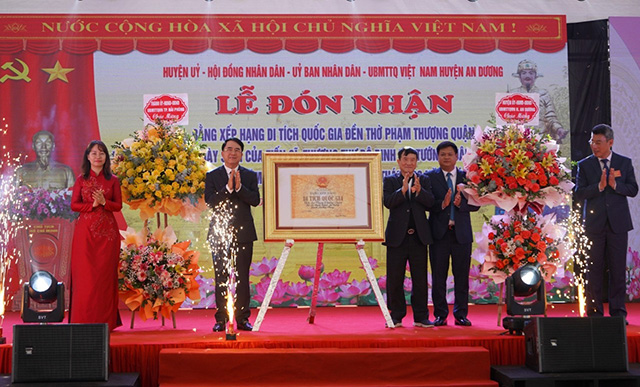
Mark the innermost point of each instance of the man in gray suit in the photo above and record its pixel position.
(603, 183)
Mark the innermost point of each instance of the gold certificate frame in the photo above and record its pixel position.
(322, 196)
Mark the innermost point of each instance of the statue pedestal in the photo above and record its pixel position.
(46, 246)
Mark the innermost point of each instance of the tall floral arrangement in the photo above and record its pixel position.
(514, 167)
(161, 170)
(519, 170)
(156, 273)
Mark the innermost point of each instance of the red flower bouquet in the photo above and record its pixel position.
(508, 242)
(513, 167)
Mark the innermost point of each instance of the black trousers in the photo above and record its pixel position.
(439, 253)
(413, 251)
(607, 249)
(243, 289)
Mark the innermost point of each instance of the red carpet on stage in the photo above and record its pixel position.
(138, 349)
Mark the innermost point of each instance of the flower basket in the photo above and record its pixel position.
(508, 242)
(517, 169)
(161, 170)
(156, 273)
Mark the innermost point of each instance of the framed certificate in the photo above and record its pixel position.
(322, 196)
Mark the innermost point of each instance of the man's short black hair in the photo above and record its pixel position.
(604, 130)
(407, 150)
(234, 139)
(446, 144)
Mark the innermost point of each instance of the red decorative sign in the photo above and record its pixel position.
(166, 107)
(410, 26)
(518, 108)
(191, 34)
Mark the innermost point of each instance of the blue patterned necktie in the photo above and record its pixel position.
(605, 163)
(450, 185)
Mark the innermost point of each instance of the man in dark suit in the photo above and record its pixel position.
(239, 185)
(452, 237)
(407, 195)
(604, 181)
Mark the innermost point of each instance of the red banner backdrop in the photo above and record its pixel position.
(48, 91)
(46, 61)
(155, 34)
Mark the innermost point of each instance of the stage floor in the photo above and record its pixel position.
(137, 350)
(291, 324)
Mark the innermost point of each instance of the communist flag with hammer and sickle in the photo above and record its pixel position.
(51, 91)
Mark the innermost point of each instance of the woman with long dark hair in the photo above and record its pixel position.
(96, 241)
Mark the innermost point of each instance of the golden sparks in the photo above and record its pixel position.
(9, 222)
(223, 244)
(580, 245)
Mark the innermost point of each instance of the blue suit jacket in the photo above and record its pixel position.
(400, 206)
(439, 218)
(609, 204)
(215, 191)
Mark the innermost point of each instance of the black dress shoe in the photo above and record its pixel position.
(245, 325)
(440, 321)
(220, 326)
(463, 321)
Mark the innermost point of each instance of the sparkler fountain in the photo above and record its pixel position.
(222, 242)
(580, 245)
(9, 222)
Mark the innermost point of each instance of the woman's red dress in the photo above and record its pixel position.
(95, 252)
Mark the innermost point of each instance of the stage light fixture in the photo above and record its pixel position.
(524, 282)
(42, 288)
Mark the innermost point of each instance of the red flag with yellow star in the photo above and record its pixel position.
(53, 92)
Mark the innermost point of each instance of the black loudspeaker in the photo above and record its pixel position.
(576, 344)
(57, 353)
